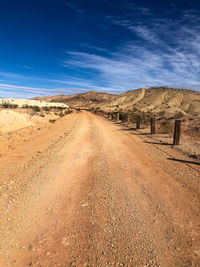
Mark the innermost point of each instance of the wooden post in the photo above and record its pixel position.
(177, 132)
(117, 116)
(138, 119)
(153, 125)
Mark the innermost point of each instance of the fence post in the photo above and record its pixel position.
(138, 119)
(117, 116)
(177, 132)
(153, 125)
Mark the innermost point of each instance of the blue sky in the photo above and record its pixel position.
(50, 47)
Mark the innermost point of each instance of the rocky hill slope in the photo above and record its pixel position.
(155, 99)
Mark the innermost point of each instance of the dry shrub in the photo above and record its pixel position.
(165, 127)
(52, 121)
(67, 111)
(9, 105)
(179, 115)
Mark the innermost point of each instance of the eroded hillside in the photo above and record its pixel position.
(155, 99)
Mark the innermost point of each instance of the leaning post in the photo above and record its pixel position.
(177, 132)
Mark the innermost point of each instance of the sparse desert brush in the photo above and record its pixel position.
(135, 109)
(135, 117)
(35, 108)
(9, 105)
(60, 108)
(46, 108)
(161, 113)
(195, 114)
(15, 106)
(179, 115)
(67, 111)
(61, 114)
(165, 127)
(52, 120)
(26, 106)
(144, 117)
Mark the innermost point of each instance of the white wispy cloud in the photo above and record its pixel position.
(145, 33)
(72, 6)
(27, 67)
(27, 89)
(12, 75)
(162, 52)
(10, 90)
(168, 54)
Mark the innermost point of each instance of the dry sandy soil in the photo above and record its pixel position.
(14, 120)
(85, 191)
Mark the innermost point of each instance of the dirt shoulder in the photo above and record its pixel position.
(87, 192)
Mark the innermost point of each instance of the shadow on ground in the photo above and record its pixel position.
(158, 143)
(185, 161)
(128, 129)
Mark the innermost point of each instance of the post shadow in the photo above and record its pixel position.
(185, 161)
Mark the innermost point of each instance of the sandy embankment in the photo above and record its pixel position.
(38, 103)
(12, 120)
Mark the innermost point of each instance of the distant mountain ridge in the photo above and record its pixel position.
(154, 99)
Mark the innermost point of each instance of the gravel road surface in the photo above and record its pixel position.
(86, 191)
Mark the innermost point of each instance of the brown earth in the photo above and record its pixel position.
(85, 191)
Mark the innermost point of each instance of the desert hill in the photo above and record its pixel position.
(88, 99)
(155, 99)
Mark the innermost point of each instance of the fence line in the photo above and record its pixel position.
(176, 129)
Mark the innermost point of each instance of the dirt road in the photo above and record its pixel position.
(88, 192)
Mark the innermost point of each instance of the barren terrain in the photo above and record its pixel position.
(85, 191)
(168, 101)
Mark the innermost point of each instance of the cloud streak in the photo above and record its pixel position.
(167, 53)
(8, 90)
(158, 51)
(72, 6)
